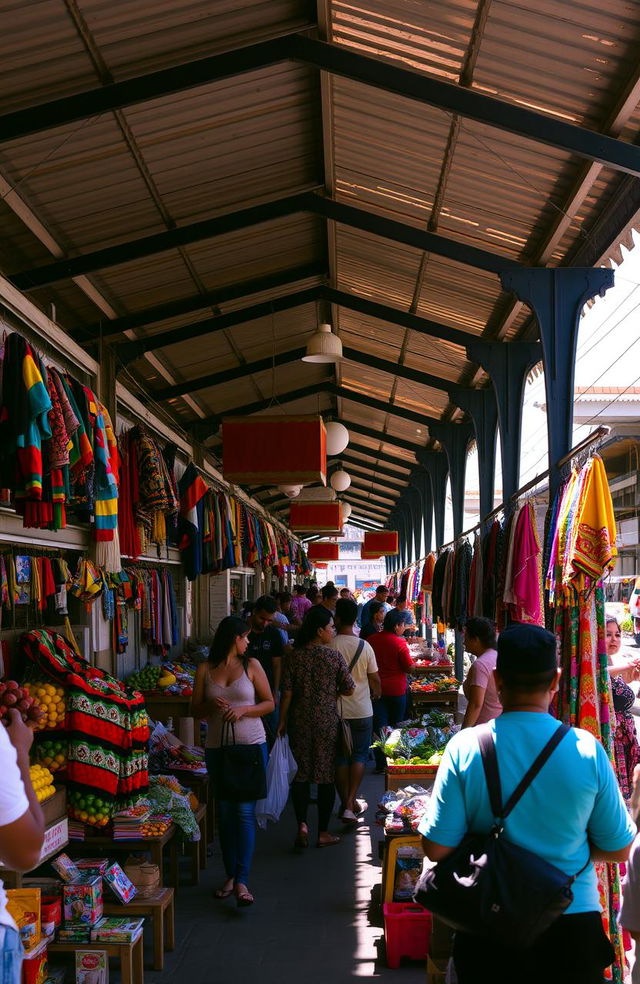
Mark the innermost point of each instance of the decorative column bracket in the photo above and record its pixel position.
(455, 438)
(557, 298)
(482, 407)
(508, 364)
(437, 467)
(421, 481)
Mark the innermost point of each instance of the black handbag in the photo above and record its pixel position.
(241, 774)
(491, 887)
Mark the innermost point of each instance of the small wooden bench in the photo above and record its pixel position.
(160, 906)
(131, 956)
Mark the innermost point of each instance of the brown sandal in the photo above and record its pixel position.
(329, 842)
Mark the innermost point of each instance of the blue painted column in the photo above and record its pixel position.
(482, 408)
(455, 438)
(508, 364)
(422, 482)
(414, 505)
(557, 297)
(437, 467)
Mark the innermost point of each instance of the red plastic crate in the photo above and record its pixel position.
(407, 932)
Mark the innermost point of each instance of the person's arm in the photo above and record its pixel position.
(264, 698)
(610, 829)
(436, 852)
(200, 706)
(476, 700)
(444, 825)
(375, 686)
(285, 704)
(611, 857)
(404, 655)
(21, 839)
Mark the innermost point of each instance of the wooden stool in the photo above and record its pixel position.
(131, 956)
(160, 906)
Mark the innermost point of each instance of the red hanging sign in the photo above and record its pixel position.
(380, 544)
(316, 517)
(274, 450)
(323, 550)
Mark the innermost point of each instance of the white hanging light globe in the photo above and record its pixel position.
(345, 510)
(291, 491)
(340, 480)
(337, 438)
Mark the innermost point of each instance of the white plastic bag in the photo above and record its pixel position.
(281, 771)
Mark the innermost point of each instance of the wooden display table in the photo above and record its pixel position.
(161, 708)
(160, 907)
(131, 956)
(155, 846)
(423, 775)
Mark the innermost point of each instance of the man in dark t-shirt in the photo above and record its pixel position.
(266, 645)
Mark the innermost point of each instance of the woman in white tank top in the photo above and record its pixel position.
(230, 688)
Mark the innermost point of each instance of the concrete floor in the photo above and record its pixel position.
(311, 921)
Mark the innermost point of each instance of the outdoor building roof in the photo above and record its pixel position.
(166, 166)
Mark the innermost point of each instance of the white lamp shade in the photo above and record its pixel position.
(291, 491)
(337, 438)
(340, 480)
(345, 508)
(323, 346)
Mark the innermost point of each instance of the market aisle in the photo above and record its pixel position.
(310, 917)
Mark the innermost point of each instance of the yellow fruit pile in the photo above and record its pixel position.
(42, 782)
(51, 700)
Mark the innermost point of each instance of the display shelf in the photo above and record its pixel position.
(130, 955)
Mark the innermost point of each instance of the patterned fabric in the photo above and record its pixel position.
(106, 724)
(626, 747)
(594, 546)
(314, 675)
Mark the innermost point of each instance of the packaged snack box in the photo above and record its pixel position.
(80, 933)
(120, 885)
(24, 905)
(34, 965)
(111, 929)
(83, 900)
(92, 967)
(97, 866)
(65, 867)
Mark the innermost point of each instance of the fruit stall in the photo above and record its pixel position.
(167, 689)
(413, 752)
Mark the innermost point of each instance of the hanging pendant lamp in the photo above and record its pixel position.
(323, 346)
(340, 480)
(337, 438)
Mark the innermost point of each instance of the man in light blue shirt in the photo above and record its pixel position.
(573, 810)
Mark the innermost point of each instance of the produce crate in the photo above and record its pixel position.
(55, 807)
(397, 776)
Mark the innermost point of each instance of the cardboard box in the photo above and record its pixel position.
(97, 866)
(64, 866)
(92, 967)
(112, 929)
(79, 933)
(82, 900)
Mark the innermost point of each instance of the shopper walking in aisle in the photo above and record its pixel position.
(570, 814)
(232, 692)
(329, 597)
(300, 604)
(266, 644)
(380, 596)
(621, 671)
(480, 686)
(313, 676)
(21, 832)
(394, 661)
(357, 710)
(376, 618)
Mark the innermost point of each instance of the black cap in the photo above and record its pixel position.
(526, 650)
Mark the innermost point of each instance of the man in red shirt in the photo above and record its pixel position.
(394, 661)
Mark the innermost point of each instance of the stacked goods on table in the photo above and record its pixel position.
(42, 782)
(172, 679)
(401, 811)
(432, 685)
(168, 752)
(128, 824)
(418, 749)
(98, 729)
(112, 929)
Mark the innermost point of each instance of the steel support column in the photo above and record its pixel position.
(455, 439)
(437, 467)
(482, 408)
(557, 297)
(422, 482)
(508, 364)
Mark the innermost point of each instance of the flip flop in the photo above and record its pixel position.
(329, 842)
(349, 817)
(301, 841)
(245, 899)
(222, 893)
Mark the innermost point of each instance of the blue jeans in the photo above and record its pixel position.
(361, 730)
(11, 953)
(387, 711)
(236, 826)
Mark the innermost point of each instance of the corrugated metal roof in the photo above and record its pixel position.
(284, 128)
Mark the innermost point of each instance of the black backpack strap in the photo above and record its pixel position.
(490, 762)
(357, 655)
